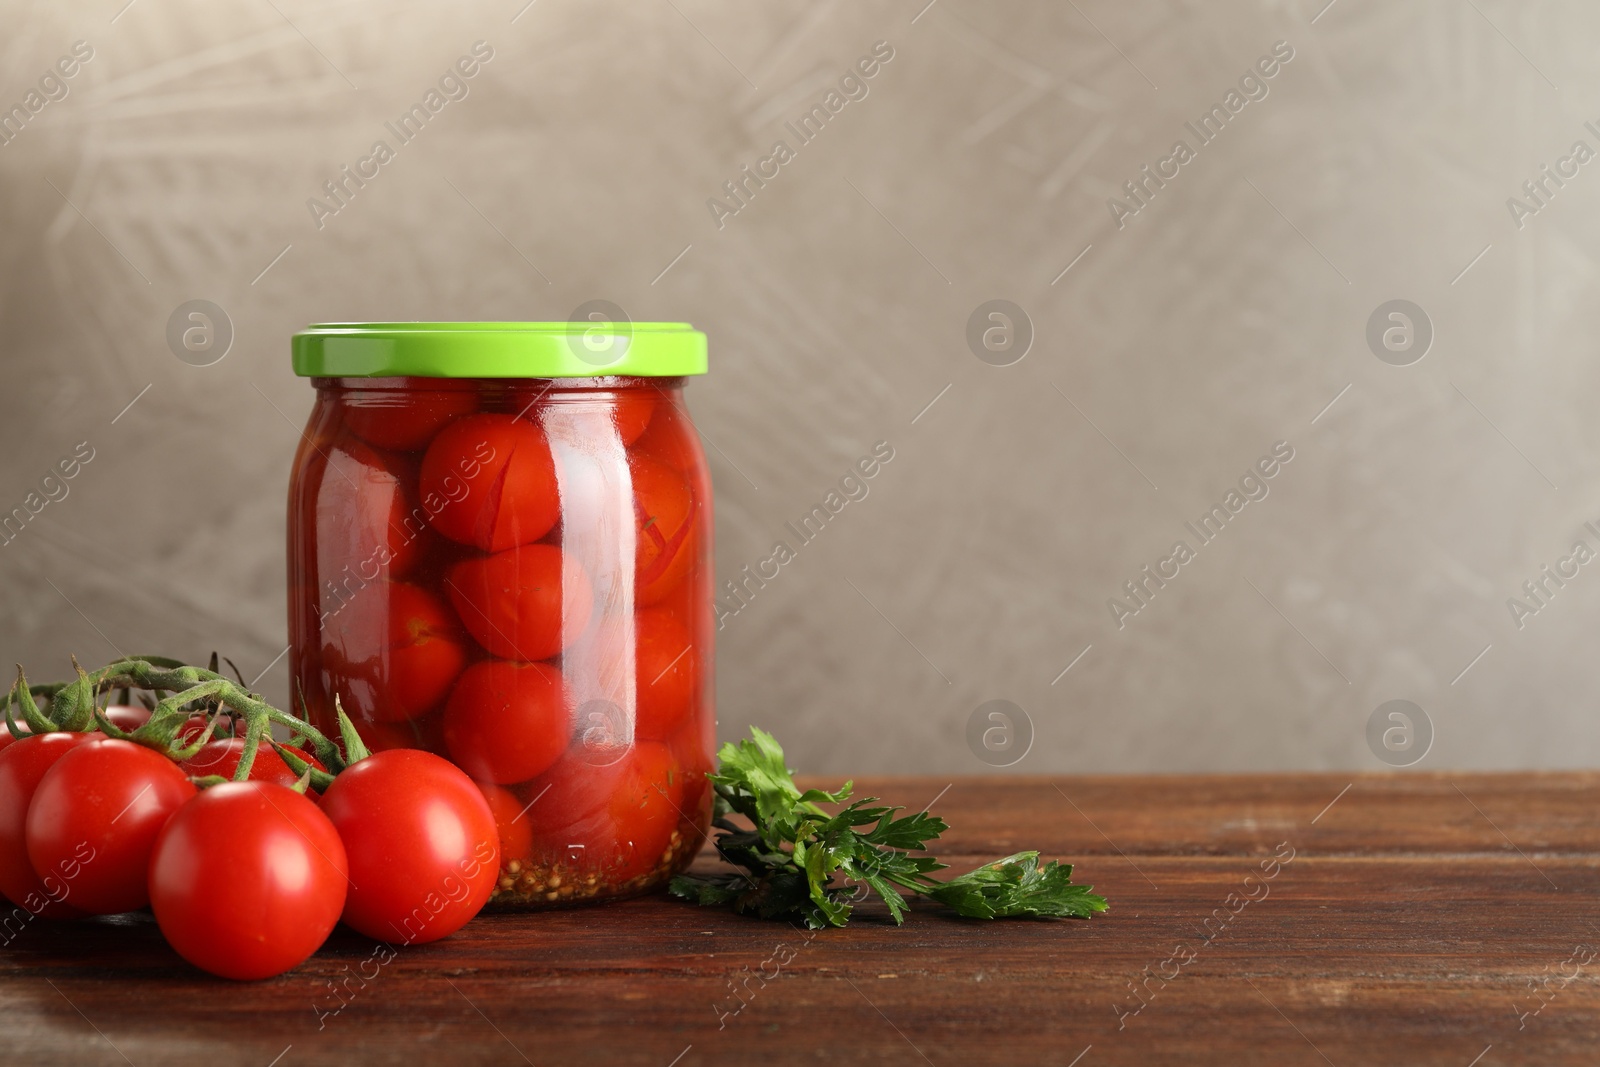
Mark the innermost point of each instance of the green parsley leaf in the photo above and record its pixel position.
(794, 858)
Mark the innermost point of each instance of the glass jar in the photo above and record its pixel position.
(500, 552)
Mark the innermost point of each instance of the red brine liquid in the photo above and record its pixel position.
(516, 575)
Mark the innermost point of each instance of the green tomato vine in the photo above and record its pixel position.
(180, 692)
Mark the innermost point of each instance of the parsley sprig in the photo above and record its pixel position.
(794, 853)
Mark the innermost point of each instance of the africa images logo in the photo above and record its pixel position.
(453, 85)
(808, 127)
(1141, 589)
(1252, 86)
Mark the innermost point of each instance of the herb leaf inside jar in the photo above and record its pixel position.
(794, 857)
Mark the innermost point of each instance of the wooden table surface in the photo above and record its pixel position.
(1422, 919)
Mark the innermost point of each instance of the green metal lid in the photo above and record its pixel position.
(608, 345)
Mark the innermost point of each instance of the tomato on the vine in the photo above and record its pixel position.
(525, 603)
(94, 818)
(667, 667)
(490, 481)
(506, 722)
(22, 765)
(408, 417)
(395, 649)
(664, 513)
(423, 848)
(192, 730)
(248, 879)
(5, 733)
(617, 819)
(221, 758)
(127, 717)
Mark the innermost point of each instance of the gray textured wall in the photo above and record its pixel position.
(1223, 317)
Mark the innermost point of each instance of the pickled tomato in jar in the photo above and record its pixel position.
(500, 552)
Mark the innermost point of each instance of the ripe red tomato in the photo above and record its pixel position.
(393, 652)
(248, 879)
(190, 731)
(221, 758)
(22, 765)
(516, 831)
(409, 417)
(127, 717)
(5, 733)
(664, 510)
(668, 673)
(130, 717)
(506, 722)
(490, 481)
(527, 603)
(94, 819)
(366, 521)
(424, 851)
(617, 819)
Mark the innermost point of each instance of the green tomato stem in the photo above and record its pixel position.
(74, 706)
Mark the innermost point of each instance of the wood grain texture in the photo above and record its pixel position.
(1406, 929)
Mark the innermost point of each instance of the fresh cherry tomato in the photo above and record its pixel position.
(617, 819)
(222, 757)
(423, 848)
(506, 722)
(94, 819)
(368, 526)
(511, 820)
(526, 603)
(130, 717)
(127, 717)
(191, 731)
(668, 669)
(393, 652)
(408, 418)
(22, 765)
(665, 514)
(490, 481)
(248, 879)
(5, 733)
